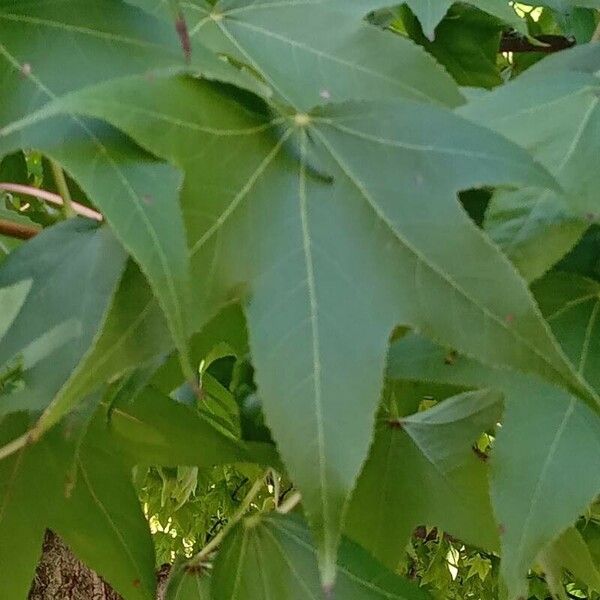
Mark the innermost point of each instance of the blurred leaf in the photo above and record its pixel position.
(570, 552)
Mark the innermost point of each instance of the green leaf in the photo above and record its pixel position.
(431, 12)
(571, 304)
(31, 486)
(466, 43)
(73, 269)
(273, 557)
(227, 328)
(134, 192)
(7, 245)
(13, 169)
(568, 5)
(188, 584)
(83, 489)
(422, 471)
(135, 333)
(127, 186)
(155, 430)
(570, 552)
(12, 299)
(74, 481)
(260, 255)
(530, 502)
(540, 463)
(101, 519)
(335, 56)
(442, 431)
(522, 221)
(51, 48)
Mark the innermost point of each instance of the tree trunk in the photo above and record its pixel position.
(61, 576)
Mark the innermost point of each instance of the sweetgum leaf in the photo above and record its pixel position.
(80, 476)
(570, 552)
(24, 515)
(129, 187)
(466, 44)
(188, 584)
(332, 54)
(422, 471)
(535, 498)
(100, 517)
(295, 248)
(12, 299)
(568, 5)
(273, 557)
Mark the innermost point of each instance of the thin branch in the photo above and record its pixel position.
(276, 486)
(63, 188)
(290, 503)
(17, 230)
(27, 190)
(548, 44)
(16, 445)
(235, 519)
(182, 30)
(596, 35)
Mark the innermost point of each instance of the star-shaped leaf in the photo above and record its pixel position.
(318, 205)
(77, 481)
(272, 556)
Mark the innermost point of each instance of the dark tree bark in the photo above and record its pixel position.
(61, 576)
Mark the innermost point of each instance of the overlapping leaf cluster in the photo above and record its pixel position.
(285, 190)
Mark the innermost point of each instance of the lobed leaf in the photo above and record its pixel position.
(535, 498)
(422, 471)
(522, 220)
(281, 210)
(273, 557)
